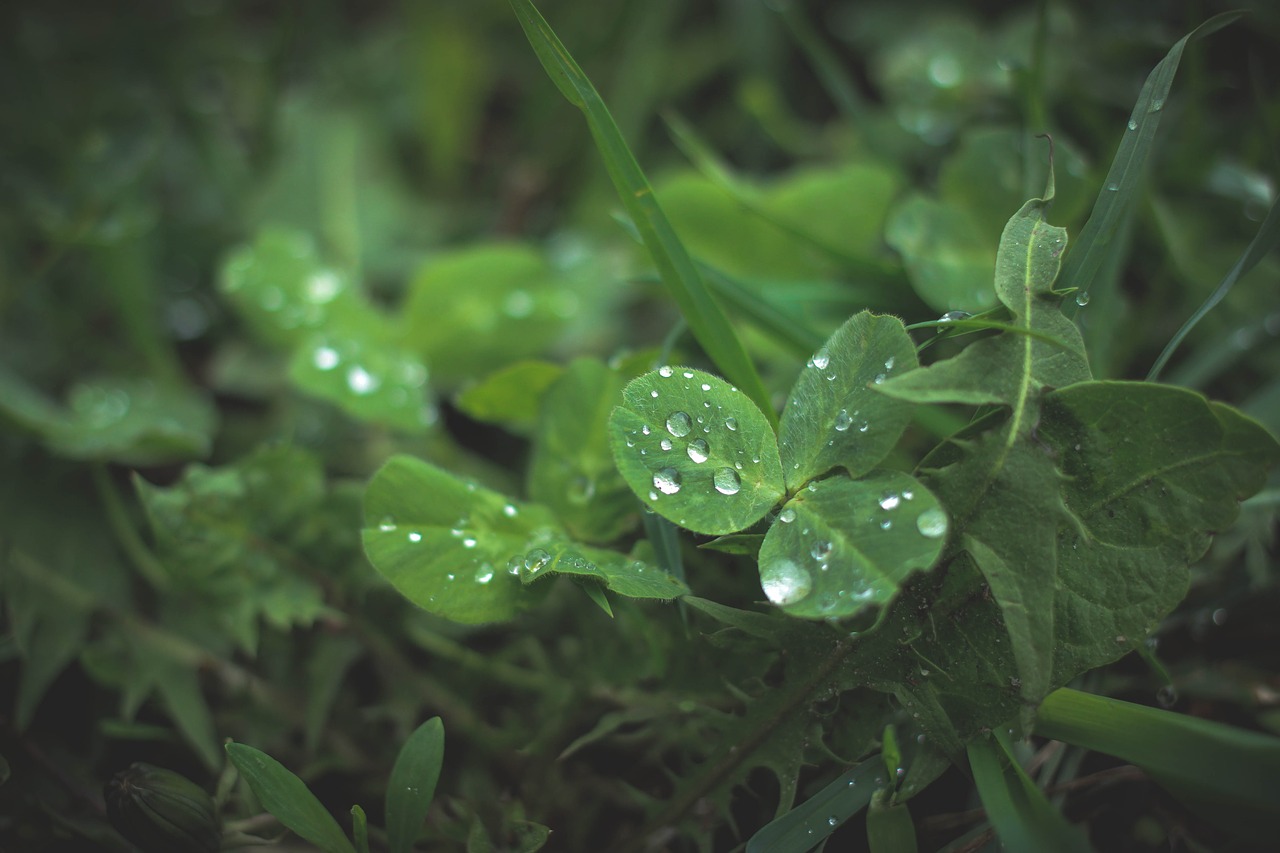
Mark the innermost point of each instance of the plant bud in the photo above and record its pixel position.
(161, 811)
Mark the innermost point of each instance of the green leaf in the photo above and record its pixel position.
(1021, 815)
(571, 469)
(474, 310)
(800, 829)
(834, 417)
(1176, 467)
(632, 578)
(366, 377)
(412, 784)
(1228, 774)
(510, 396)
(706, 319)
(360, 829)
(948, 259)
(889, 826)
(696, 450)
(179, 687)
(842, 546)
(1128, 168)
(288, 798)
(446, 544)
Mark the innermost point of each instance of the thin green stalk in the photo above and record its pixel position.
(147, 564)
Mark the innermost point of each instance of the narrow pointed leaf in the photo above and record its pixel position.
(701, 311)
(288, 798)
(412, 784)
(1021, 815)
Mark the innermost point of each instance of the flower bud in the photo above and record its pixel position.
(161, 811)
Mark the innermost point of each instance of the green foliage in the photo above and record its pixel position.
(332, 400)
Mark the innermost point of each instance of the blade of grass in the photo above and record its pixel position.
(826, 65)
(1234, 772)
(706, 319)
(1127, 168)
(1265, 241)
(809, 823)
(1022, 816)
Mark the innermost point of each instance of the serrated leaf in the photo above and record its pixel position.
(696, 450)
(412, 784)
(288, 798)
(445, 544)
(833, 418)
(572, 470)
(841, 546)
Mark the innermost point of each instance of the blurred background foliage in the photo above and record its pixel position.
(248, 249)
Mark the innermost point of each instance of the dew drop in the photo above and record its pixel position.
(535, 560)
(727, 481)
(890, 500)
(787, 515)
(820, 359)
(888, 363)
(820, 550)
(484, 574)
(843, 420)
(665, 371)
(667, 481)
(706, 387)
(1133, 125)
(415, 536)
(666, 444)
(325, 358)
(932, 523)
(833, 821)
(886, 524)
(953, 316)
(361, 381)
(388, 523)
(1167, 696)
(1113, 187)
(1157, 105)
(879, 380)
(784, 582)
(653, 394)
(510, 511)
(699, 451)
(731, 424)
(679, 424)
(1082, 298)
(469, 542)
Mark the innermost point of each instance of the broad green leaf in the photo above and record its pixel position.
(1148, 473)
(699, 307)
(625, 576)
(696, 450)
(280, 285)
(366, 377)
(1228, 774)
(288, 798)
(571, 470)
(948, 259)
(1128, 168)
(889, 826)
(833, 417)
(1018, 810)
(511, 395)
(446, 544)
(473, 310)
(841, 546)
(412, 784)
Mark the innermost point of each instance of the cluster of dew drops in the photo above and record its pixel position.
(680, 425)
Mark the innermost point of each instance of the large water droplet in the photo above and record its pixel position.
(699, 451)
(731, 424)
(667, 481)
(484, 574)
(890, 500)
(952, 316)
(784, 582)
(843, 420)
(787, 515)
(932, 523)
(665, 371)
(1082, 298)
(820, 359)
(727, 481)
(679, 424)
(535, 560)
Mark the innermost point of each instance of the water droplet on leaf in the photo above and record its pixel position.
(1082, 298)
(679, 424)
(699, 451)
(784, 582)
(727, 481)
(932, 523)
(787, 515)
(667, 481)
(843, 420)
(820, 359)
(890, 500)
